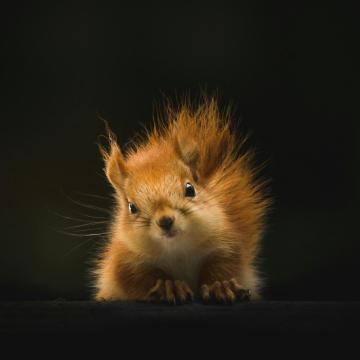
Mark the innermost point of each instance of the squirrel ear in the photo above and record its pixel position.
(115, 167)
(188, 151)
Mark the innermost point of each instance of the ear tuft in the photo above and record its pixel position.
(115, 168)
(188, 151)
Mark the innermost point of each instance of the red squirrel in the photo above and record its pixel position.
(190, 213)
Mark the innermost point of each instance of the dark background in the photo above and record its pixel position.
(291, 72)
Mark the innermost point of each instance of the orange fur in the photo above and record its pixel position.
(217, 232)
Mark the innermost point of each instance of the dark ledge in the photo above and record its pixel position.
(252, 317)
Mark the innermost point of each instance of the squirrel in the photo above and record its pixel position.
(190, 212)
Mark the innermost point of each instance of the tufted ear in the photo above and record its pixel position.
(188, 151)
(115, 167)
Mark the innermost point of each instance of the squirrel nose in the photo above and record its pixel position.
(165, 222)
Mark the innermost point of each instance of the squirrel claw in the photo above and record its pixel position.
(224, 292)
(171, 292)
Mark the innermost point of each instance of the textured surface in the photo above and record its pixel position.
(261, 317)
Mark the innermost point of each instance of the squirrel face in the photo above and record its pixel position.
(160, 200)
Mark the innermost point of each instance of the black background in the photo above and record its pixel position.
(291, 72)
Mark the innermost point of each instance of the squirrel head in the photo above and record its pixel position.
(162, 202)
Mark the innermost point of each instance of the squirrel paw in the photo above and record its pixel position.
(224, 292)
(172, 292)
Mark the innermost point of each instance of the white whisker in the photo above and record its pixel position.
(82, 234)
(93, 195)
(88, 224)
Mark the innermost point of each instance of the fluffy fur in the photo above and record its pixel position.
(212, 252)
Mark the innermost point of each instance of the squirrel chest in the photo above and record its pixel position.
(183, 264)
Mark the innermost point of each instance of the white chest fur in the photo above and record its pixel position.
(183, 265)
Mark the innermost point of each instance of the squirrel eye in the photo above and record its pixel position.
(189, 190)
(132, 208)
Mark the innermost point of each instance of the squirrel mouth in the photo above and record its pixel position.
(170, 233)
